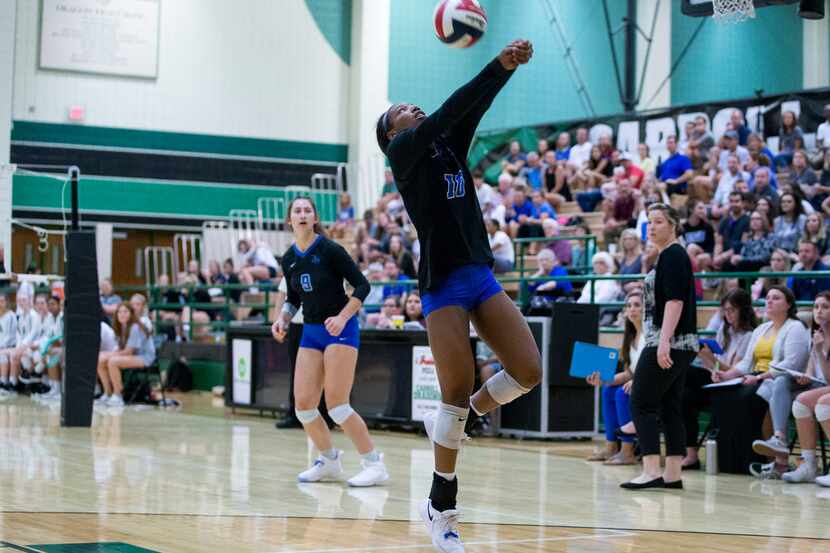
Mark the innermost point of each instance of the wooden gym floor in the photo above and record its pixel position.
(202, 480)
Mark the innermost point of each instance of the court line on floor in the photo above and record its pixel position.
(466, 543)
(411, 521)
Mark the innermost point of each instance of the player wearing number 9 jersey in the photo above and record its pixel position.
(314, 269)
(427, 156)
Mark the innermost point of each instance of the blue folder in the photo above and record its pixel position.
(590, 358)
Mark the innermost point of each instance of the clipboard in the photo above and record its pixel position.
(590, 358)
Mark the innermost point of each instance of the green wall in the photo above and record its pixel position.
(424, 71)
(732, 61)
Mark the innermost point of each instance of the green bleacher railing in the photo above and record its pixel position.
(153, 293)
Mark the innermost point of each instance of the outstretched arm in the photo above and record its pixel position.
(407, 146)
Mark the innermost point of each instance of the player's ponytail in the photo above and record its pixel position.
(318, 226)
(382, 130)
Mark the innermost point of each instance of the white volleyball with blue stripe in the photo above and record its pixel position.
(460, 23)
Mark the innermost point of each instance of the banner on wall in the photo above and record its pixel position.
(426, 393)
(116, 37)
(242, 368)
(762, 115)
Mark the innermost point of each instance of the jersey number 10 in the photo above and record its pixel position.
(455, 185)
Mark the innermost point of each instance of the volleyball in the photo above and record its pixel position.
(460, 23)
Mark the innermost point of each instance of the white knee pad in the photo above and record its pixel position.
(341, 413)
(306, 416)
(449, 426)
(801, 411)
(822, 412)
(26, 361)
(503, 388)
(4, 359)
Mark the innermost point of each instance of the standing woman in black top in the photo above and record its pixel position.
(671, 343)
(314, 268)
(428, 159)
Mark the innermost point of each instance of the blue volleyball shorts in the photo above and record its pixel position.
(315, 336)
(468, 287)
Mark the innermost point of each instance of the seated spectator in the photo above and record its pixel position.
(653, 191)
(390, 309)
(502, 247)
(561, 248)
(563, 147)
(345, 216)
(580, 152)
(260, 263)
(495, 211)
(755, 145)
(543, 207)
(756, 248)
(109, 300)
(582, 251)
(555, 178)
(549, 266)
(726, 185)
(622, 214)
(194, 271)
(737, 321)
(823, 132)
(139, 304)
(761, 185)
(402, 257)
(687, 138)
(632, 172)
(392, 273)
(701, 137)
(484, 192)
(806, 289)
(644, 160)
(28, 333)
(604, 291)
(789, 225)
(755, 162)
(815, 403)
(766, 207)
(597, 170)
(49, 355)
(779, 263)
(374, 273)
(616, 412)
(630, 257)
(737, 124)
(730, 232)
(135, 350)
(697, 232)
(515, 159)
(782, 342)
(532, 172)
(525, 221)
(676, 169)
(413, 312)
(8, 340)
(230, 277)
(215, 275)
(815, 230)
(542, 147)
(790, 139)
(731, 147)
(802, 176)
(704, 179)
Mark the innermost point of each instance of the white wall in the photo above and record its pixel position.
(659, 61)
(258, 68)
(368, 97)
(7, 22)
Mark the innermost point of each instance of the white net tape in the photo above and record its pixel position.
(733, 11)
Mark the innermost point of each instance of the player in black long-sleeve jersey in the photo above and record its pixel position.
(314, 268)
(428, 159)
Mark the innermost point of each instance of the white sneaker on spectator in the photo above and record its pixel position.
(806, 472)
(823, 480)
(102, 400)
(442, 527)
(115, 400)
(373, 473)
(323, 469)
(770, 448)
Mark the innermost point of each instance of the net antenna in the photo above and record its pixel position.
(732, 11)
